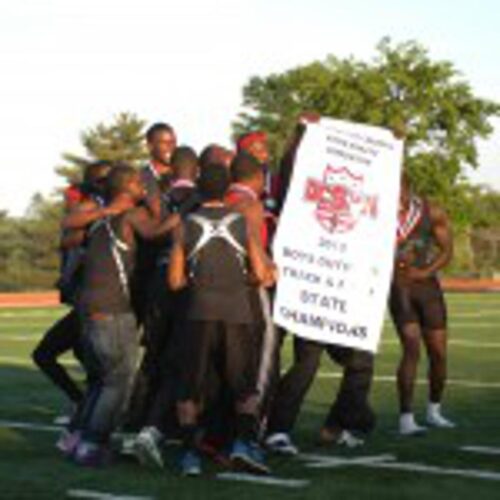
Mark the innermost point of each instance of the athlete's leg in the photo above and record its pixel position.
(294, 385)
(409, 336)
(196, 352)
(157, 322)
(432, 310)
(351, 410)
(436, 342)
(242, 359)
(114, 344)
(62, 337)
(404, 310)
(270, 348)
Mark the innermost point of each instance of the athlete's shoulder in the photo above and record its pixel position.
(85, 205)
(436, 211)
(138, 213)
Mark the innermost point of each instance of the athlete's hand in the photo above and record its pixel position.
(115, 208)
(309, 117)
(271, 277)
(178, 233)
(174, 221)
(415, 274)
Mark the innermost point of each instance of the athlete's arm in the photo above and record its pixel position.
(88, 212)
(288, 160)
(71, 238)
(261, 266)
(443, 237)
(153, 203)
(177, 264)
(153, 197)
(255, 218)
(148, 227)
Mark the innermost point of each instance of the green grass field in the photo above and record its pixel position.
(31, 468)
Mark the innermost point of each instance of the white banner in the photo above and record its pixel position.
(335, 241)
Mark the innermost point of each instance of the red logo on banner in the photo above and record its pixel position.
(340, 200)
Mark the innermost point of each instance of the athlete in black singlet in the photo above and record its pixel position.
(110, 333)
(165, 311)
(148, 280)
(64, 335)
(417, 304)
(214, 257)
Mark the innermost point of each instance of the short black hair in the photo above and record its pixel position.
(158, 127)
(211, 154)
(118, 178)
(184, 163)
(94, 169)
(213, 182)
(244, 167)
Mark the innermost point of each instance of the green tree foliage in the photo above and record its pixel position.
(29, 257)
(121, 140)
(29, 254)
(485, 232)
(485, 205)
(402, 89)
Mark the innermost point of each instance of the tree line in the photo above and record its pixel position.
(428, 102)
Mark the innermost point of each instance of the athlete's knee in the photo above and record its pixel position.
(436, 347)
(41, 357)
(308, 356)
(360, 361)
(410, 342)
(187, 411)
(437, 358)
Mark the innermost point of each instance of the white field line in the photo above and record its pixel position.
(326, 462)
(474, 314)
(322, 461)
(19, 361)
(36, 427)
(265, 480)
(484, 450)
(458, 343)
(392, 379)
(97, 495)
(435, 470)
(476, 325)
(26, 362)
(453, 325)
(314, 461)
(452, 342)
(21, 314)
(9, 424)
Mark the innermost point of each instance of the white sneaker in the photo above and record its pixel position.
(127, 447)
(65, 418)
(408, 426)
(68, 442)
(436, 419)
(349, 440)
(147, 447)
(282, 444)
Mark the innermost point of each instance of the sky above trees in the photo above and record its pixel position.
(68, 65)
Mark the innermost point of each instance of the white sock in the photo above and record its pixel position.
(434, 408)
(407, 420)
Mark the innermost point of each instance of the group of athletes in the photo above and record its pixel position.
(169, 278)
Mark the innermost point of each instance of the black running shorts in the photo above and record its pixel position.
(232, 351)
(420, 302)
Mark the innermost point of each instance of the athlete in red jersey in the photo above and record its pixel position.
(256, 145)
(245, 193)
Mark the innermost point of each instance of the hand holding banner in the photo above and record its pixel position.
(335, 242)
